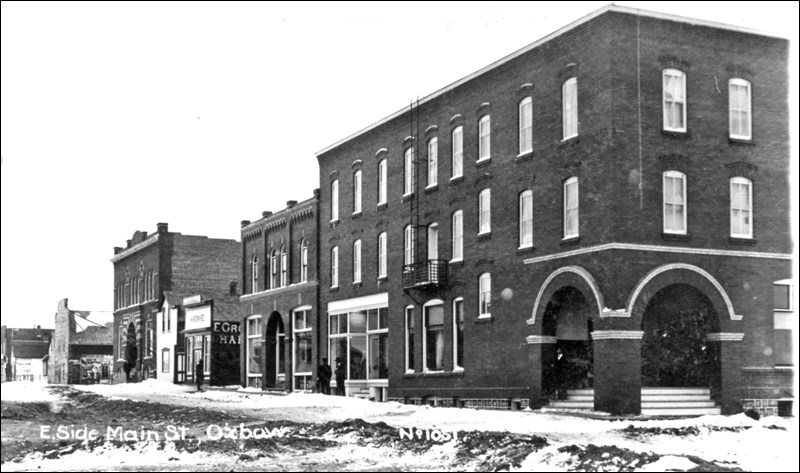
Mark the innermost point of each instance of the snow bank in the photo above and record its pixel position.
(25, 391)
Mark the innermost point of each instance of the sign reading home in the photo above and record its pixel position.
(198, 317)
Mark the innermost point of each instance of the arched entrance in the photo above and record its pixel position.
(675, 349)
(275, 368)
(567, 363)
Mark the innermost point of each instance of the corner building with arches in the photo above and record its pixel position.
(598, 220)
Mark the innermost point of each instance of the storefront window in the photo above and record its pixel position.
(303, 363)
(360, 338)
(434, 336)
(207, 354)
(254, 347)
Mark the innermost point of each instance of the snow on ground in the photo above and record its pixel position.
(26, 391)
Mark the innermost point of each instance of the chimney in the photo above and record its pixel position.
(117, 250)
(127, 243)
(162, 227)
(266, 214)
(290, 203)
(245, 223)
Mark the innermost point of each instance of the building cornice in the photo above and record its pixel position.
(659, 248)
(146, 243)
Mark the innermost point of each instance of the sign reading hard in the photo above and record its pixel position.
(198, 317)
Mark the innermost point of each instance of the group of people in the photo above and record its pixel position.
(324, 374)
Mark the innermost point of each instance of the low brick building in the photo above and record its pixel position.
(600, 216)
(25, 353)
(82, 346)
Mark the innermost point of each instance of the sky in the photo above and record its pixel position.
(117, 116)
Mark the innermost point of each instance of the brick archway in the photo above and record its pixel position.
(574, 276)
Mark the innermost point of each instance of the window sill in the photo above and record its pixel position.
(569, 141)
(457, 262)
(357, 284)
(742, 240)
(526, 249)
(432, 188)
(676, 134)
(356, 215)
(406, 197)
(741, 141)
(675, 236)
(569, 241)
(522, 157)
(334, 222)
(382, 206)
(484, 236)
(334, 288)
(456, 179)
(382, 279)
(483, 162)
(484, 319)
(434, 374)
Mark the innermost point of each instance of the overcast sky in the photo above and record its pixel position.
(118, 116)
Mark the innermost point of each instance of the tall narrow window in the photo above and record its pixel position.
(484, 138)
(458, 152)
(382, 255)
(433, 341)
(302, 342)
(335, 266)
(304, 261)
(254, 274)
(485, 295)
(357, 261)
(335, 200)
(273, 267)
(382, 177)
(485, 211)
(433, 241)
(433, 162)
(569, 100)
(409, 315)
(458, 235)
(408, 181)
(674, 100)
(253, 351)
(458, 333)
(674, 202)
(357, 192)
(741, 207)
(408, 244)
(739, 104)
(783, 322)
(284, 266)
(571, 225)
(526, 219)
(526, 126)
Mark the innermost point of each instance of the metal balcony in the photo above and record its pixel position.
(426, 274)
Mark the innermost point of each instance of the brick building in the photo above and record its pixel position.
(25, 353)
(605, 209)
(82, 346)
(279, 303)
(145, 271)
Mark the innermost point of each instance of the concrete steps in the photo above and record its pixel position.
(655, 402)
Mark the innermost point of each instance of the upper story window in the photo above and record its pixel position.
(433, 241)
(408, 244)
(569, 100)
(458, 334)
(485, 295)
(741, 207)
(382, 178)
(571, 208)
(357, 192)
(458, 235)
(739, 103)
(357, 261)
(485, 211)
(273, 266)
(484, 138)
(674, 202)
(382, 255)
(674, 100)
(526, 126)
(526, 219)
(458, 152)
(304, 261)
(433, 162)
(408, 175)
(284, 266)
(335, 266)
(254, 273)
(334, 200)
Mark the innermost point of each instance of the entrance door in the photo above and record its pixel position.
(179, 369)
(275, 367)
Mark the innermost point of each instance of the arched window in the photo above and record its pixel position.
(525, 126)
(433, 162)
(457, 232)
(357, 192)
(526, 219)
(382, 181)
(335, 200)
(408, 175)
(408, 245)
(458, 152)
(674, 100)
(304, 261)
(433, 241)
(284, 266)
(675, 202)
(335, 266)
(273, 265)
(382, 255)
(569, 100)
(485, 211)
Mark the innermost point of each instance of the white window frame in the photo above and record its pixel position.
(335, 267)
(425, 308)
(485, 211)
(569, 111)
(357, 192)
(457, 300)
(254, 274)
(569, 211)
(742, 181)
(273, 274)
(284, 266)
(525, 126)
(304, 261)
(335, 200)
(356, 261)
(526, 219)
(166, 366)
(457, 232)
(382, 181)
(249, 337)
(485, 295)
(790, 285)
(744, 109)
(682, 177)
(433, 241)
(408, 314)
(307, 329)
(457, 152)
(485, 138)
(669, 104)
(433, 162)
(408, 174)
(382, 255)
(408, 244)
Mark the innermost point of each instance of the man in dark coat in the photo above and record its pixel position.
(341, 372)
(324, 377)
(199, 374)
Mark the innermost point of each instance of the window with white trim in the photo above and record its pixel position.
(408, 244)
(284, 266)
(304, 261)
(361, 339)
(382, 255)
(433, 341)
(526, 219)
(357, 191)
(484, 138)
(458, 235)
(485, 295)
(433, 162)
(408, 175)
(485, 211)
(165, 366)
(255, 345)
(254, 273)
(357, 261)
(335, 200)
(382, 180)
(674, 202)
(458, 152)
(433, 241)
(273, 264)
(569, 113)
(409, 338)
(741, 207)
(784, 321)
(571, 208)
(335, 266)
(739, 109)
(458, 333)
(674, 100)
(149, 340)
(525, 126)
(302, 341)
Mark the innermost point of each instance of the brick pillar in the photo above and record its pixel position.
(617, 371)
(729, 346)
(541, 353)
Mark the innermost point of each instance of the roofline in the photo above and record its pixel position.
(135, 248)
(280, 213)
(539, 42)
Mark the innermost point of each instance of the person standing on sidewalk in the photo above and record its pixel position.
(324, 377)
